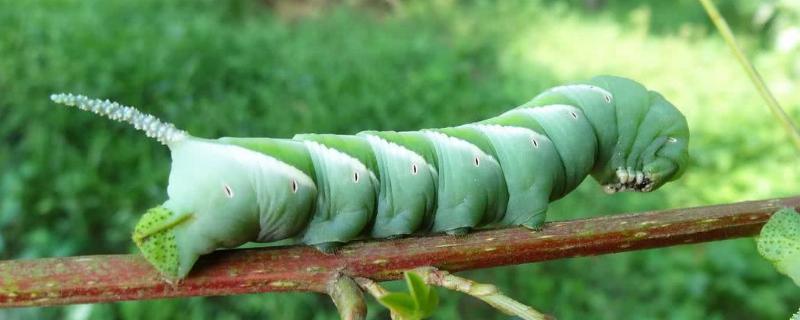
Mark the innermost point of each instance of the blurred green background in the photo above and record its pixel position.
(74, 184)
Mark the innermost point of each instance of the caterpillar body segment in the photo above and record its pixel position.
(573, 138)
(407, 196)
(536, 168)
(346, 198)
(471, 190)
(327, 189)
(288, 151)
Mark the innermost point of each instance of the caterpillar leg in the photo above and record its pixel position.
(458, 231)
(328, 247)
(536, 223)
(644, 180)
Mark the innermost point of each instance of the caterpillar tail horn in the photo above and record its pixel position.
(164, 132)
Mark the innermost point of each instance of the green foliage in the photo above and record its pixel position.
(779, 242)
(72, 183)
(419, 303)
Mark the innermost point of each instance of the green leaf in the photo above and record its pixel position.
(779, 242)
(419, 303)
(416, 287)
(429, 306)
(401, 304)
(424, 296)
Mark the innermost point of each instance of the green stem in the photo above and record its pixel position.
(754, 76)
(376, 291)
(486, 292)
(348, 298)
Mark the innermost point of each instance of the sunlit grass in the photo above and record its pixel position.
(738, 152)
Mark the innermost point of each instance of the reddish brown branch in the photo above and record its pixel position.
(55, 281)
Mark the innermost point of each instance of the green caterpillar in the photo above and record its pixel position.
(327, 189)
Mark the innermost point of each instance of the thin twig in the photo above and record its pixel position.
(486, 292)
(376, 290)
(348, 298)
(107, 278)
(752, 73)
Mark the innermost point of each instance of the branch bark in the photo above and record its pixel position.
(107, 278)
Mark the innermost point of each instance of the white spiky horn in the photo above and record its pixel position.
(164, 132)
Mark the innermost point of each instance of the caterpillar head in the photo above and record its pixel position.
(652, 141)
(220, 195)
